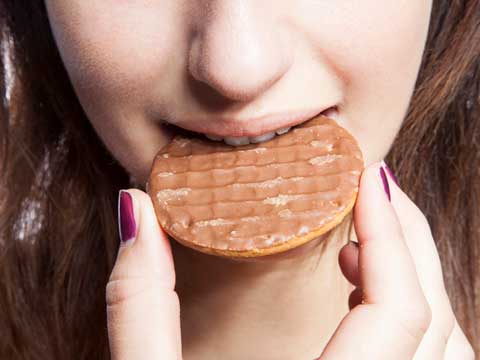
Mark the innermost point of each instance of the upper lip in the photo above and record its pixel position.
(231, 127)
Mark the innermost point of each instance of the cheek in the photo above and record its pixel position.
(376, 47)
(112, 49)
(118, 58)
(381, 45)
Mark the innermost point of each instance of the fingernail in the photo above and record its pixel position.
(386, 187)
(390, 173)
(126, 219)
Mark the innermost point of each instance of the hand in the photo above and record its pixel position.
(399, 309)
(143, 310)
(404, 313)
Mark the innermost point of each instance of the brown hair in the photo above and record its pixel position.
(59, 184)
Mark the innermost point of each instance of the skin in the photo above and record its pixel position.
(213, 65)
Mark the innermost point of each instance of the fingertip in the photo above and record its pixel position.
(390, 173)
(374, 178)
(355, 298)
(408, 212)
(348, 261)
(145, 212)
(373, 212)
(148, 252)
(133, 207)
(139, 200)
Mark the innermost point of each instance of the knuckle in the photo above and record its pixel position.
(395, 233)
(416, 320)
(445, 322)
(121, 291)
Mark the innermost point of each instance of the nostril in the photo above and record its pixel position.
(235, 85)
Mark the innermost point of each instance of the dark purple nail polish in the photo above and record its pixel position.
(126, 219)
(386, 187)
(390, 173)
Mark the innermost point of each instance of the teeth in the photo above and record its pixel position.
(236, 141)
(214, 137)
(261, 138)
(282, 131)
(245, 140)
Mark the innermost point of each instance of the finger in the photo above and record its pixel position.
(355, 298)
(422, 246)
(391, 321)
(348, 261)
(142, 306)
(458, 346)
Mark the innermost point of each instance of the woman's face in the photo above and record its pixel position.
(218, 66)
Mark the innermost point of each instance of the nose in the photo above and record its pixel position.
(239, 51)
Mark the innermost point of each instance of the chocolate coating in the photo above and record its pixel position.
(230, 200)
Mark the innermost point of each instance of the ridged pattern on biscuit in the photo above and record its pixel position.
(255, 196)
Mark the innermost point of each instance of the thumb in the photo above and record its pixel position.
(143, 311)
(394, 315)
